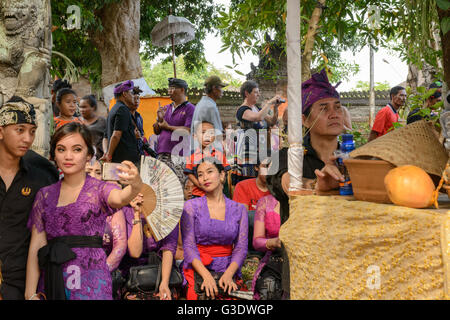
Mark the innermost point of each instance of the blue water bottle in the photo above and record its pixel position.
(347, 146)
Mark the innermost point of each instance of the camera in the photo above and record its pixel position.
(280, 101)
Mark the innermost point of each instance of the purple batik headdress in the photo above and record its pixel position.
(317, 88)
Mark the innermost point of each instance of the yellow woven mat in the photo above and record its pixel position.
(341, 249)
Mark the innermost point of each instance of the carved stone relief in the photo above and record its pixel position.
(25, 55)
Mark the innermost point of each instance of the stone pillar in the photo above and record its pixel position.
(25, 57)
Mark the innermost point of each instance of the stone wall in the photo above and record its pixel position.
(357, 102)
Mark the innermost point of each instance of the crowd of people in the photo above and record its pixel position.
(65, 234)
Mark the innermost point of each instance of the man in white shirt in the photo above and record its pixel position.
(206, 108)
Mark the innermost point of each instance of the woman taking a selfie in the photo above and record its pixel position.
(68, 220)
(215, 234)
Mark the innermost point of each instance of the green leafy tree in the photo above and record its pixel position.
(114, 31)
(328, 28)
(365, 86)
(156, 75)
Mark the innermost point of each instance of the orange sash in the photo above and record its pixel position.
(207, 253)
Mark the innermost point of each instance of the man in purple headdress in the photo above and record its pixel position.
(323, 119)
(120, 127)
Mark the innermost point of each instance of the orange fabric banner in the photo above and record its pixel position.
(147, 109)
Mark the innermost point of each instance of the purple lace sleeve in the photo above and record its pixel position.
(241, 243)
(106, 190)
(36, 217)
(170, 242)
(119, 235)
(188, 233)
(259, 243)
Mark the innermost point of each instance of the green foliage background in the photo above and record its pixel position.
(156, 75)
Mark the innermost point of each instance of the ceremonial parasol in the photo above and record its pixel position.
(173, 30)
(163, 197)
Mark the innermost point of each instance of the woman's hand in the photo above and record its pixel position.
(273, 243)
(226, 282)
(164, 292)
(209, 286)
(136, 204)
(129, 175)
(274, 100)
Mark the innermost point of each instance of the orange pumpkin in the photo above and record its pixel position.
(410, 186)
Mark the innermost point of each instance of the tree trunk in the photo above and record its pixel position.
(310, 39)
(118, 43)
(412, 79)
(445, 47)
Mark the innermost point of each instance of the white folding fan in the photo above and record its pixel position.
(163, 197)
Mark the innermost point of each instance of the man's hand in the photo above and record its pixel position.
(329, 177)
(106, 158)
(160, 114)
(164, 125)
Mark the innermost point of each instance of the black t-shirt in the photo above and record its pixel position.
(413, 117)
(311, 162)
(245, 124)
(35, 172)
(120, 119)
(98, 129)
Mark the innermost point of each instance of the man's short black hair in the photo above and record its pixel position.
(60, 84)
(395, 90)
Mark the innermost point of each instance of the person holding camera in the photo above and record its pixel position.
(250, 117)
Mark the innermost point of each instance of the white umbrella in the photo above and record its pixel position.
(173, 30)
(295, 152)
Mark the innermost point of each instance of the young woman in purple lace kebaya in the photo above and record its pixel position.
(115, 235)
(68, 220)
(215, 233)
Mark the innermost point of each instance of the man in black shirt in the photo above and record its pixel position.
(120, 127)
(22, 173)
(323, 116)
(430, 103)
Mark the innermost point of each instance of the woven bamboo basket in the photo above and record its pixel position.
(416, 144)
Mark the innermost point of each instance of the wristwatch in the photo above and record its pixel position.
(136, 221)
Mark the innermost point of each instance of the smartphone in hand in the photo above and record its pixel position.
(110, 171)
